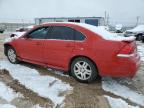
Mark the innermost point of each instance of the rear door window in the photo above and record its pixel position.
(62, 33)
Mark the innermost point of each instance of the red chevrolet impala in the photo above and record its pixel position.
(83, 50)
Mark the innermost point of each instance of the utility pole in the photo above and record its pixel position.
(22, 20)
(105, 18)
(137, 20)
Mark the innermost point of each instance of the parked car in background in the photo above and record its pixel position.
(118, 28)
(20, 31)
(2, 28)
(138, 32)
(83, 50)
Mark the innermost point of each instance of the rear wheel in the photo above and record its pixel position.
(139, 37)
(83, 70)
(11, 55)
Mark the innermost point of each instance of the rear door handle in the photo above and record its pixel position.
(38, 43)
(69, 46)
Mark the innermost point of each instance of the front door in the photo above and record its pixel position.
(31, 46)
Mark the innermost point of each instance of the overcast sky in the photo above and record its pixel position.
(120, 11)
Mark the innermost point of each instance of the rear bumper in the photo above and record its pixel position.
(124, 66)
(134, 63)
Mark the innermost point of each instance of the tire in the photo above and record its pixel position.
(139, 37)
(143, 39)
(83, 70)
(11, 55)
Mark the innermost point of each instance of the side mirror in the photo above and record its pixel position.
(12, 35)
(27, 37)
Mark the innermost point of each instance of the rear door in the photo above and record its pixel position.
(59, 46)
(31, 46)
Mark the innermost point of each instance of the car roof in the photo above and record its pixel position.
(100, 31)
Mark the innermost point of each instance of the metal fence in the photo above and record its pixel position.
(11, 27)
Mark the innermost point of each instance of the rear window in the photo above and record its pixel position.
(79, 36)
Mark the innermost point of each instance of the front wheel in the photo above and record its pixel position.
(11, 55)
(83, 70)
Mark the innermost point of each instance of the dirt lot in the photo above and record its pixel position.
(82, 96)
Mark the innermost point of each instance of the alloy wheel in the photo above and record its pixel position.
(82, 70)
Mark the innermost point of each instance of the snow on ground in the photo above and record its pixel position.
(140, 49)
(45, 86)
(36, 106)
(110, 85)
(119, 103)
(7, 93)
(58, 72)
(6, 106)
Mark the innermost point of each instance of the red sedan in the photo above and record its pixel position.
(83, 50)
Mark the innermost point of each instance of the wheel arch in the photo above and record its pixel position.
(6, 46)
(77, 56)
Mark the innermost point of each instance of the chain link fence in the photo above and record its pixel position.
(11, 27)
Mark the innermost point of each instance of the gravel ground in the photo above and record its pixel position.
(83, 95)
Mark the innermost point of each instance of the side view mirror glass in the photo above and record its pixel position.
(12, 35)
(27, 37)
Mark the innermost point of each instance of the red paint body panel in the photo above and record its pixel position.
(58, 53)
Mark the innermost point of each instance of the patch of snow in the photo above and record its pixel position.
(119, 103)
(140, 49)
(58, 72)
(110, 85)
(30, 27)
(7, 93)
(25, 28)
(36, 106)
(118, 26)
(17, 35)
(45, 86)
(6, 106)
(106, 34)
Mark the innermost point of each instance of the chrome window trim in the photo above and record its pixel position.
(57, 39)
(50, 39)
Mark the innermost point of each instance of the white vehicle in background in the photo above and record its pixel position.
(20, 31)
(138, 32)
(118, 28)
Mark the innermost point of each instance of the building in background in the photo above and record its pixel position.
(96, 21)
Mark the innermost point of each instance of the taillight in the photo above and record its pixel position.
(128, 49)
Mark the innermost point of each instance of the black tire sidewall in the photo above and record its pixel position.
(143, 38)
(93, 67)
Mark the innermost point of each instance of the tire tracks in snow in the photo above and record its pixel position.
(27, 93)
